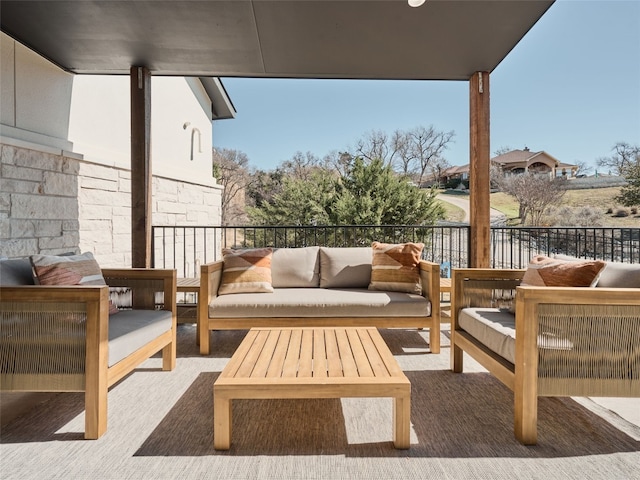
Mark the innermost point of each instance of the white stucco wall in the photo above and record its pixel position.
(64, 159)
(100, 125)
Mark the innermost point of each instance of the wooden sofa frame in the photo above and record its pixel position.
(88, 306)
(600, 323)
(211, 273)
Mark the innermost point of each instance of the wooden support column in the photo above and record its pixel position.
(479, 185)
(141, 180)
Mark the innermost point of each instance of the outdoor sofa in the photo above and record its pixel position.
(63, 338)
(323, 286)
(548, 340)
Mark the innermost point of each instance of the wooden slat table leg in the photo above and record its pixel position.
(402, 422)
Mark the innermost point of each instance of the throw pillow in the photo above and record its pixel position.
(395, 267)
(80, 269)
(246, 271)
(549, 272)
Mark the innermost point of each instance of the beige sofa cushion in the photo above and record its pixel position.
(318, 302)
(345, 267)
(295, 267)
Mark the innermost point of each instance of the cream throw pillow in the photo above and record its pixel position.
(246, 271)
(395, 267)
(549, 272)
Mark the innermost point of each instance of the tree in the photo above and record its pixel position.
(231, 169)
(630, 193)
(416, 153)
(534, 193)
(368, 194)
(624, 156)
(301, 201)
(372, 194)
(625, 162)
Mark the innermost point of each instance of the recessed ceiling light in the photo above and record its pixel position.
(416, 3)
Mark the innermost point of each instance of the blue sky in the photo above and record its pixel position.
(571, 87)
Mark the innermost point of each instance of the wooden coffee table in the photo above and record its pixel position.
(311, 363)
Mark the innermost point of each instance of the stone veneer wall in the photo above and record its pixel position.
(55, 203)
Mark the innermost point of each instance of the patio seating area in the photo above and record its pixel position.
(461, 427)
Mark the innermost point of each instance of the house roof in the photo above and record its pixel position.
(377, 39)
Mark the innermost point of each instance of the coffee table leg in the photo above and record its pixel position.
(221, 422)
(401, 422)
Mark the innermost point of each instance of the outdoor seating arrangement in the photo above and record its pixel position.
(384, 286)
(541, 339)
(65, 335)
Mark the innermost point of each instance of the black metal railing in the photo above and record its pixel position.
(187, 247)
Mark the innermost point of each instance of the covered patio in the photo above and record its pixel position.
(160, 423)
(341, 39)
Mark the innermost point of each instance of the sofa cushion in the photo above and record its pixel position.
(395, 267)
(543, 271)
(130, 330)
(319, 302)
(295, 267)
(247, 270)
(16, 272)
(345, 267)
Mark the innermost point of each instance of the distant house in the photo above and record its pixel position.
(517, 162)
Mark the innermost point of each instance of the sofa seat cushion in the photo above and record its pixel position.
(319, 302)
(130, 330)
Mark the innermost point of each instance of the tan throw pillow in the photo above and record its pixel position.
(69, 270)
(246, 271)
(549, 272)
(395, 267)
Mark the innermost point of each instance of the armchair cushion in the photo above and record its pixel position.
(16, 272)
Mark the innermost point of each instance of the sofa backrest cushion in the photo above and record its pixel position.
(16, 272)
(295, 267)
(345, 267)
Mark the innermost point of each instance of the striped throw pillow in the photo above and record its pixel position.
(543, 271)
(246, 271)
(395, 267)
(80, 269)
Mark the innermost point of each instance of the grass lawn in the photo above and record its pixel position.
(600, 199)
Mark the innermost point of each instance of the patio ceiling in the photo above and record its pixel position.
(379, 39)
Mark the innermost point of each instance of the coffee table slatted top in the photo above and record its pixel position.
(351, 358)
(311, 363)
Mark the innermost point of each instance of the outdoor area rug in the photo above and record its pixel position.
(160, 426)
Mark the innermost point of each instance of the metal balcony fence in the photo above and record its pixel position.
(185, 248)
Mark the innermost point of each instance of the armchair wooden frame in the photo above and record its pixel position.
(600, 328)
(55, 338)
